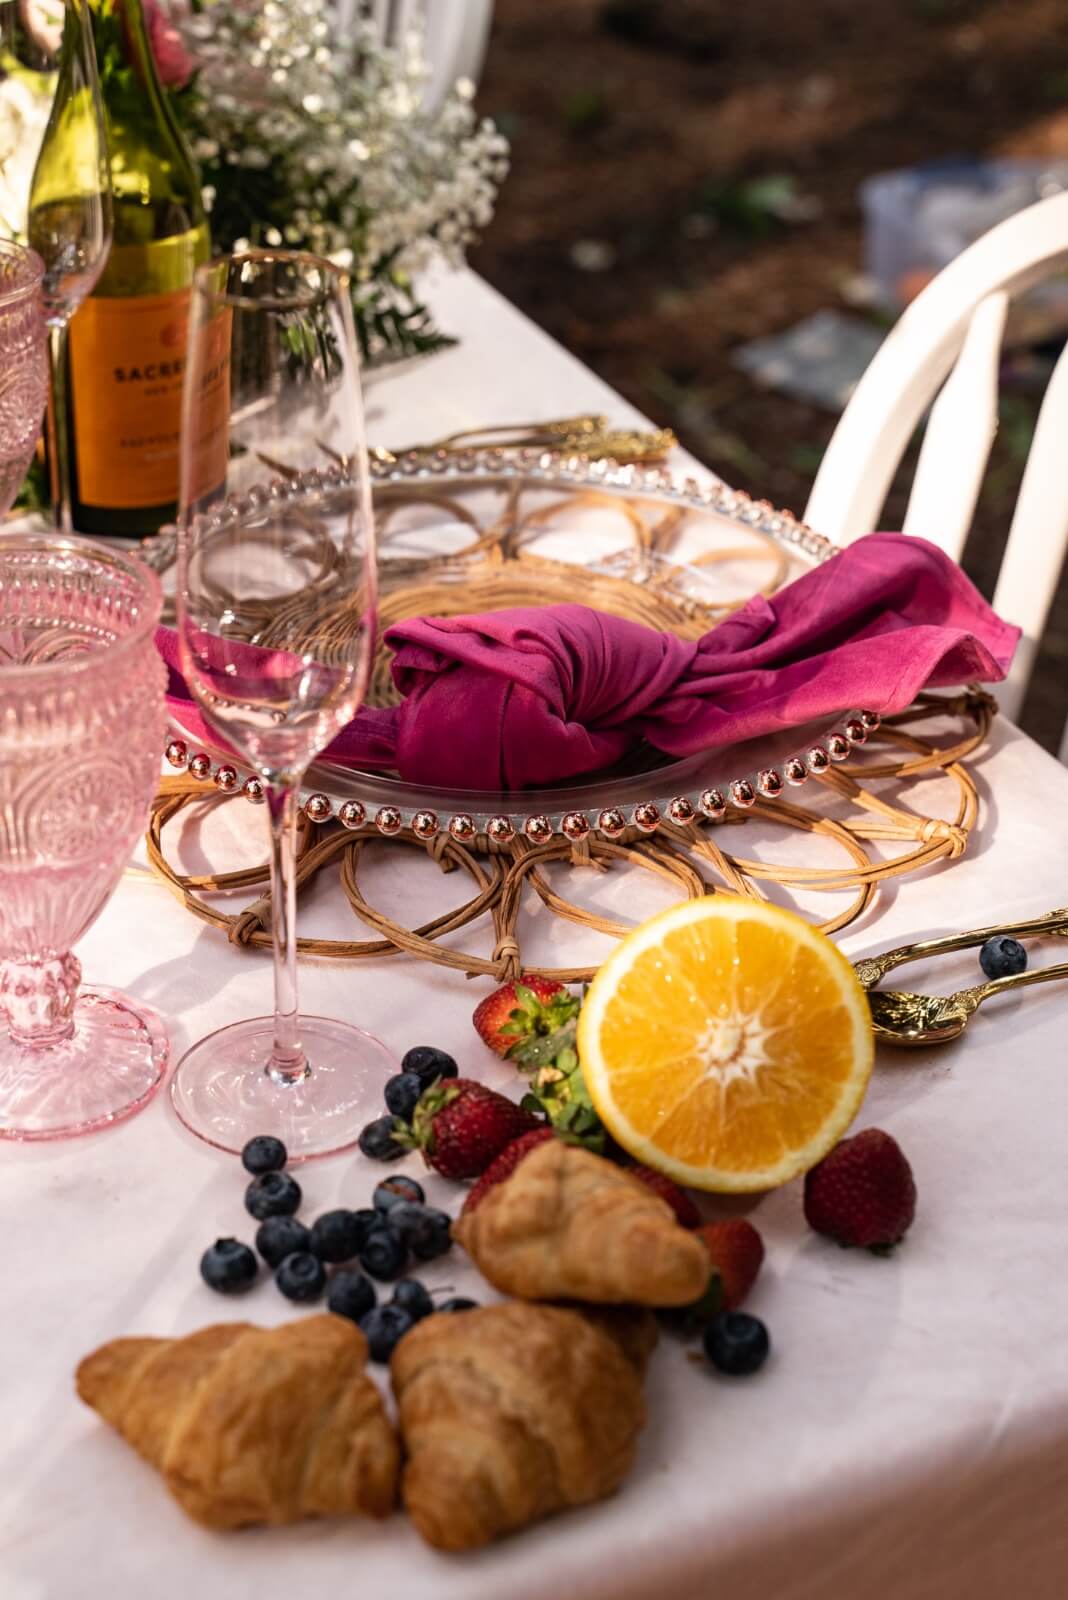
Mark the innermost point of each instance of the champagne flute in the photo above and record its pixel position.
(277, 594)
(68, 219)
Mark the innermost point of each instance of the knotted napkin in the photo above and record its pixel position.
(533, 695)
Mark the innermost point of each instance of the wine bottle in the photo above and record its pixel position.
(127, 342)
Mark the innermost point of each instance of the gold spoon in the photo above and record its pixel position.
(906, 1019)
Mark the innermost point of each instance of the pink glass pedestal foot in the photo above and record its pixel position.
(223, 1093)
(109, 1066)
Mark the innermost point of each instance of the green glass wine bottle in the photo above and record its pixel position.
(127, 342)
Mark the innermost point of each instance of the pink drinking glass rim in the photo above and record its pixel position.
(332, 274)
(68, 666)
(33, 271)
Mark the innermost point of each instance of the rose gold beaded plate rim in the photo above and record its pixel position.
(710, 786)
(874, 836)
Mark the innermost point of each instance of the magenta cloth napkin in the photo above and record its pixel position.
(530, 696)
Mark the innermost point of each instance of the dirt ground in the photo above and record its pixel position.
(656, 146)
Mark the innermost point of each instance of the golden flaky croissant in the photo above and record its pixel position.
(253, 1424)
(568, 1225)
(513, 1412)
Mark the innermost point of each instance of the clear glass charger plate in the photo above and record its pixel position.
(464, 531)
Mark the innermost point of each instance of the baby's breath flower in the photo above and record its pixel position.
(348, 158)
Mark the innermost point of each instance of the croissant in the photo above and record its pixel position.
(568, 1225)
(253, 1424)
(513, 1412)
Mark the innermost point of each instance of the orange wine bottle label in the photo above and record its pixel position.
(127, 358)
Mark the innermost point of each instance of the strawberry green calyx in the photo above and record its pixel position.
(534, 1018)
(557, 1087)
(421, 1134)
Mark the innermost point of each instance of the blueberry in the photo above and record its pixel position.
(272, 1194)
(351, 1294)
(337, 1236)
(264, 1154)
(402, 1094)
(428, 1063)
(278, 1237)
(1002, 957)
(377, 1140)
(413, 1297)
(426, 1230)
(391, 1191)
(228, 1266)
(301, 1276)
(737, 1343)
(433, 1239)
(384, 1254)
(366, 1219)
(402, 1215)
(384, 1327)
(458, 1303)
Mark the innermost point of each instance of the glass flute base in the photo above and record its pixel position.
(109, 1067)
(222, 1092)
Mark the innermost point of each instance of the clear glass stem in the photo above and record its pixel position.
(287, 1063)
(58, 432)
(37, 998)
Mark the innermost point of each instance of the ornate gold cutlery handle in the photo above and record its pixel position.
(973, 998)
(588, 435)
(872, 968)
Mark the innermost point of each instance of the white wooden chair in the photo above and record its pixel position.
(947, 345)
(456, 32)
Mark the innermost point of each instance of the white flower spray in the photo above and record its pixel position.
(326, 145)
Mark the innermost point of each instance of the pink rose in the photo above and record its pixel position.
(173, 62)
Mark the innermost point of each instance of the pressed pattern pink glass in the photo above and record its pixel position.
(23, 365)
(81, 728)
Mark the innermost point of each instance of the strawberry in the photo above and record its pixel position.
(679, 1201)
(736, 1250)
(505, 1165)
(544, 1050)
(461, 1126)
(863, 1193)
(515, 1011)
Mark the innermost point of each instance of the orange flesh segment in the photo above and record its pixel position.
(729, 1044)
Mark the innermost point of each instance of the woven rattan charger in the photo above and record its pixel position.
(861, 801)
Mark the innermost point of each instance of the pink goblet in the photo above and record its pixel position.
(23, 365)
(81, 730)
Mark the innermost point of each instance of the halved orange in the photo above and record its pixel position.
(727, 1043)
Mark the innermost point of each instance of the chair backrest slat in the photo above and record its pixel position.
(914, 360)
(409, 14)
(959, 434)
(1038, 536)
(456, 33)
(945, 349)
(859, 464)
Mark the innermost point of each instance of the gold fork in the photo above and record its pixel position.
(873, 968)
